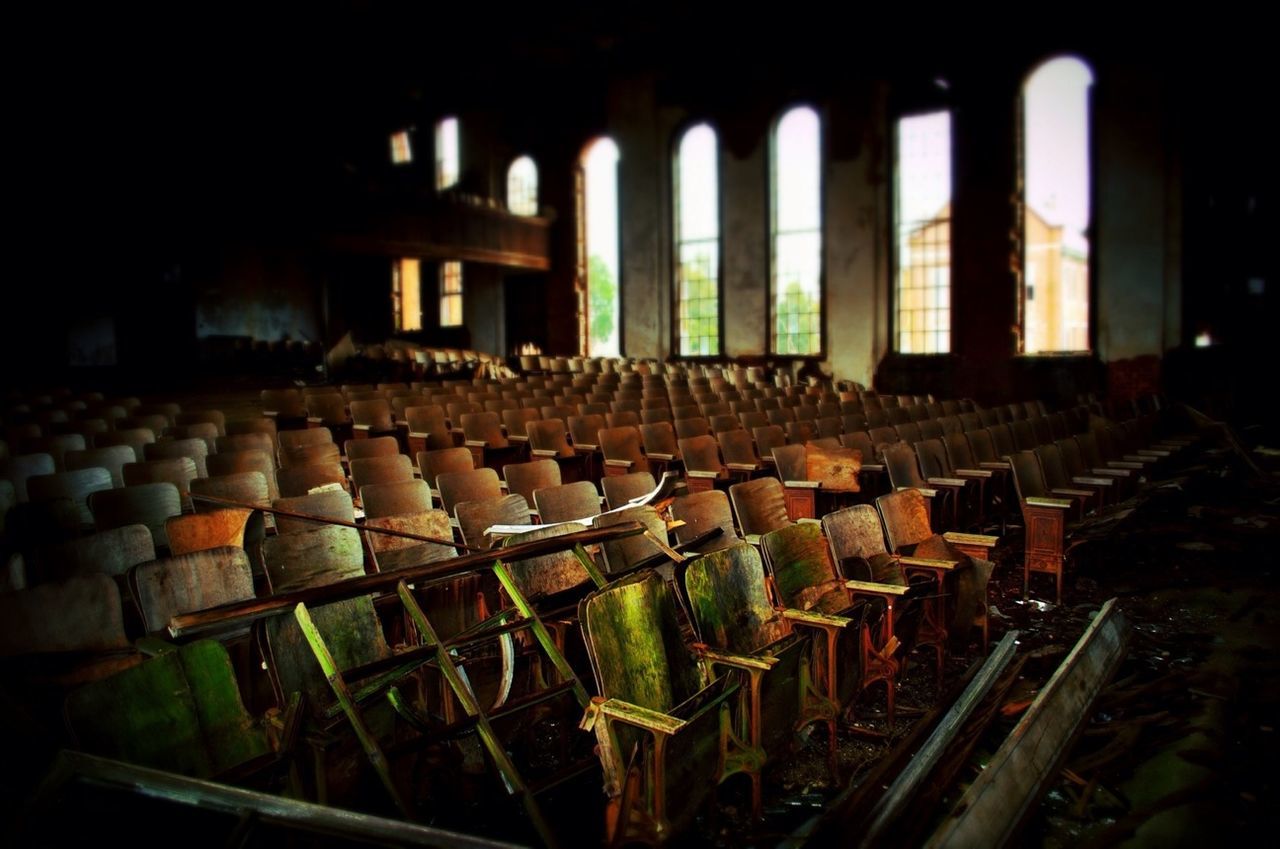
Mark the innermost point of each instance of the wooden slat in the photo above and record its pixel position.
(1018, 774)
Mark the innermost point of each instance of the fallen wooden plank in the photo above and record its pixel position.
(242, 808)
(995, 805)
(904, 787)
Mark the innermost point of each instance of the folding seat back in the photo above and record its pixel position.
(288, 440)
(259, 441)
(626, 418)
(56, 446)
(686, 428)
(179, 471)
(800, 432)
(476, 517)
(309, 455)
(620, 489)
(374, 470)
(434, 463)
(254, 460)
(136, 438)
(327, 554)
(930, 429)
(908, 433)
(484, 428)
(197, 450)
(395, 497)
(202, 531)
(189, 582)
(760, 506)
(72, 488)
(149, 504)
(781, 416)
(877, 418)
(547, 438)
(110, 552)
(625, 554)
(738, 450)
(900, 463)
(585, 429)
(372, 417)
(525, 478)
(473, 485)
(567, 502)
(299, 480)
(621, 449)
(214, 417)
(329, 410)
(882, 436)
(157, 424)
(390, 553)
(659, 441)
(330, 504)
(1043, 434)
(702, 512)
(377, 446)
(516, 421)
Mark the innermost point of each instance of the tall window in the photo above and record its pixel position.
(797, 233)
(406, 294)
(1055, 207)
(923, 221)
(522, 187)
(450, 294)
(401, 151)
(447, 165)
(697, 222)
(599, 216)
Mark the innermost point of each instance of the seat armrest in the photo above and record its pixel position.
(928, 563)
(1057, 503)
(873, 467)
(923, 490)
(1126, 465)
(994, 465)
(476, 443)
(542, 452)
(742, 467)
(1074, 493)
(876, 589)
(694, 473)
(980, 540)
(821, 620)
(586, 446)
(640, 717)
(654, 455)
(621, 464)
(947, 481)
(737, 661)
(1091, 481)
(974, 473)
(802, 484)
(1114, 474)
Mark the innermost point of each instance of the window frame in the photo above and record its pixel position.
(771, 231)
(441, 186)
(537, 205)
(895, 259)
(1021, 207)
(676, 139)
(582, 249)
(446, 296)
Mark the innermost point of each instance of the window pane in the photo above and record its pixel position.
(406, 294)
(698, 243)
(522, 187)
(1056, 207)
(401, 152)
(923, 222)
(447, 162)
(600, 166)
(450, 294)
(797, 233)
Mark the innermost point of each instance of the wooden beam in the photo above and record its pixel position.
(236, 804)
(904, 787)
(995, 805)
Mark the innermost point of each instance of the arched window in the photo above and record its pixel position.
(922, 212)
(522, 187)
(598, 206)
(697, 241)
(797, 233)
(448, 165)
(1055, 207)
(406, 294)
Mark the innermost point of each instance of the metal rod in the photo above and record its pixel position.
(243, 612)
(326, 520)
